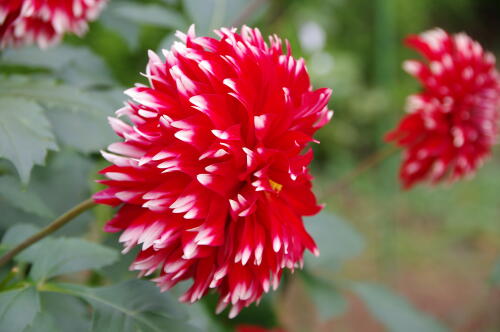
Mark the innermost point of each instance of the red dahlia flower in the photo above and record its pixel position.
(453, 122)
(212, 177)
(44, 22)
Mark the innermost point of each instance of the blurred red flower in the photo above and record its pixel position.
(44, 22)
(253, 328)
(213, 174)
(452, 124)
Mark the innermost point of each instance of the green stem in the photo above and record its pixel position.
(49, 229)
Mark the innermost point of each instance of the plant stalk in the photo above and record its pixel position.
(49, 229)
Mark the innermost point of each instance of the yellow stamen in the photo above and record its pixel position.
(275, 186)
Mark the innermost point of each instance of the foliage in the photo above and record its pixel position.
(53, 109)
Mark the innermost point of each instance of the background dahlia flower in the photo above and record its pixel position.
(44, 22)
(212, 177)
(452, 124)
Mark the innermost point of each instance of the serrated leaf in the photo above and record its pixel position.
(135, 305)
(12, 192)
(394, 311)
(328, 299)
(25, 133)
(51, 257)
(151, 14)
(337, 241)
(18, 308)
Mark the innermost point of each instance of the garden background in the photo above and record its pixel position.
(418, 260)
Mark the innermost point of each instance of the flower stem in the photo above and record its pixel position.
(371, 161)
(49, 229)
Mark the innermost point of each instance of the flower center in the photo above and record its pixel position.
(275, 186)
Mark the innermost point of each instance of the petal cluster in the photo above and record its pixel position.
(212, 177)
(452, 124)
(44, 22)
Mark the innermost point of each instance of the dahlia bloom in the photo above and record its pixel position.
(212, 177)
(452, 124)
(253, 328)
(44, 22)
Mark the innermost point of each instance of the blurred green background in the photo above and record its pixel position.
(437, 246)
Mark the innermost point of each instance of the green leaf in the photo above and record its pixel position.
(328, 299)
(337, 241)
(66, 178)
(52, 257)
(18, 308)
(394, 311)
(12, 192)
(43, 322)
(75, 65)
(17, 234)
(69, 313)
(213, 14)
(85, 130)
(129, 32)
(55, 256)
(25, 133)
(136, 305)
(151, 14)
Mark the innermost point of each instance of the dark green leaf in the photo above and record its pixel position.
(337, 241)
(136, 305)
(394, 311)
(13, 192)
(151, 14)
(18, 308)
(25, 133)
